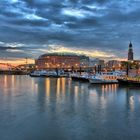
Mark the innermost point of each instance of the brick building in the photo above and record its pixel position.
(55, 60)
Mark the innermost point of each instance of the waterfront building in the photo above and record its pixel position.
(84, 61)
(130, 52)
(113, 64)
(56, 60)
(96, 62)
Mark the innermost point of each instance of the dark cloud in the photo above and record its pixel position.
(101, 25)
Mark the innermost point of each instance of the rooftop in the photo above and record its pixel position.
(61, 54)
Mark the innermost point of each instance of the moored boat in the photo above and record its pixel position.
(129, 81)
(98, 80)
(35, 74)
(43, 73)
(105, 78)
(80, 77)
(49, 74)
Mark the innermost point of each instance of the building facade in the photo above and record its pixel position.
(96, 62)
(113, 64)
(84, 61)
(55, 60)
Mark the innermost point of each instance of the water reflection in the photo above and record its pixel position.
(47, 86)
(5, 81)
(66, 108)
(63, 85)
(130, 99)
(58, 87)
(13, 80)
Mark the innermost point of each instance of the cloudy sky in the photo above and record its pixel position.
(97, 28)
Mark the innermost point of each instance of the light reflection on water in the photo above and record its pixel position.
(44, 108)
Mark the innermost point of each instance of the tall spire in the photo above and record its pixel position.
(130, 45)
(130, 51)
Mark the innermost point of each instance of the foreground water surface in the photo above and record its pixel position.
(62, 109)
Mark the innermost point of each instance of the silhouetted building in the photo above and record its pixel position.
(130, 52)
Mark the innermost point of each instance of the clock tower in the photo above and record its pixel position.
(130, 52)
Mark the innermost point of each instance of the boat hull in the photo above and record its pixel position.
(101, 81)
(34, 75)
(128, 82)
(50, 76)
(80, 79)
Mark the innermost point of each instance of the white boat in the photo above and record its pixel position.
(49, 74)
(105, 78)
(44, 73)
(80, 77)
(35, 74)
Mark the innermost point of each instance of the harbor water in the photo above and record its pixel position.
(62, 109)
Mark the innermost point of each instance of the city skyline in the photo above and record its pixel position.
(99, 29)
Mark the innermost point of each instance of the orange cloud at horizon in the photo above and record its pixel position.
(91, 53)
(17, 61)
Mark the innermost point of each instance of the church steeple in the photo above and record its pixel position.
(130, 45)
(130, 52)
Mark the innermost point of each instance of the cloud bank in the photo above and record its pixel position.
(99, 28)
